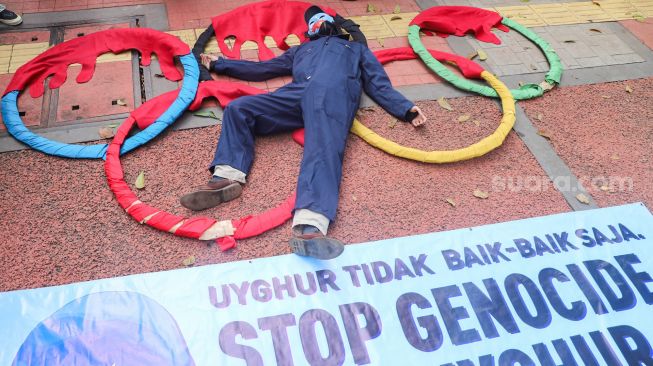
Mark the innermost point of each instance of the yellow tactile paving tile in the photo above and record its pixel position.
(398, 23)
(21, 53)
(110, 57)
(589, 12)
(645, 7)
(524, 15)
(373, 26)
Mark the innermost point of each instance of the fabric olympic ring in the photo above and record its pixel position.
(459, 20)
(487, 144)
(203, 228)
(85, 50)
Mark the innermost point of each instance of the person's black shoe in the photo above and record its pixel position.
(216, 191)
(312, 243)
(8, 17)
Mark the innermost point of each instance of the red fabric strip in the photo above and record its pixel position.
(469, 68)
(195, 227)
(460, 20)
(164, 221)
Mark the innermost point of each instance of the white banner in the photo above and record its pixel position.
(572, 289)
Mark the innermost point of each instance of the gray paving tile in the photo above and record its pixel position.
(578, 46)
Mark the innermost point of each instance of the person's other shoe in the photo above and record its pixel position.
(8, 17)
(216, 191)
(312, 243)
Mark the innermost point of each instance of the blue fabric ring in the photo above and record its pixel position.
(18, 130)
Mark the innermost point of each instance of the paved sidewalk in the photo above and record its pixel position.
(591, 135)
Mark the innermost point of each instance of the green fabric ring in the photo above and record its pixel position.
(526, 91)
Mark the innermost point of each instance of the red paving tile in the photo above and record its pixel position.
(77, 232)
(20, 36)
(641, 29)
(111, 82)
(602, 131)
(74, 32)
(28, 107)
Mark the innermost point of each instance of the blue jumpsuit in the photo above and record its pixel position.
(323, 97)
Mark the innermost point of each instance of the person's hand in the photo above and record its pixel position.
(420, 119)
(206, 59)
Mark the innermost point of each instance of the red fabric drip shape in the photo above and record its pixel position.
(460, 20)
(85, 50)
(275, 18)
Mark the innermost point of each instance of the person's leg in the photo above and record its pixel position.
(8, 17)
(327, 120)
(243, 118)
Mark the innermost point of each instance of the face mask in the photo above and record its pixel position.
(320, 24)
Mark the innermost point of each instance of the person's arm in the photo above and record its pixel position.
(255, 71)
(377, 85)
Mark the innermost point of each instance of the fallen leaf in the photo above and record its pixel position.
(464, 118)
(396, 17)
(614, 157)
(106, 132)
(604, 188)
(606, 96)
(207, 114)
(477, 123)
(397, 9)
(159, 75)
(596, 2)
(595, 30)
(471, 56)
(629, 89)
(521, 83)
(544, 134)
(582, 198)
(121, 102)
(539, 117)
(140, 180)
(354, 198)
(444, 104)
(481, 55)
(371, 8)
(569, 41)
(480, 194)
(533, 67)
(451, 202)
(392, 123)
(189, 261)
(113, 125)
(638, 17)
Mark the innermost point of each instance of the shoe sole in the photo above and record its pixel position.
(320, 248)
(201, 200)
(16, 21)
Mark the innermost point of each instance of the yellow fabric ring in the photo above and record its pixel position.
(477, 149)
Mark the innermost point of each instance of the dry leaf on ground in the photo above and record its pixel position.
(106, 132)
(480, 194)
(189, 261)
(392, 123)
(140, 180)
(444, 104)
(477, 123)
(539, 117)
(544, 134)
(397, 9)
(464, 118)
(481, 55)
(595, 30)
(582, 198)
(396, 17)
(629, 89)
(472, 55)
(451, 202)
(371, 8)
(121, 102)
